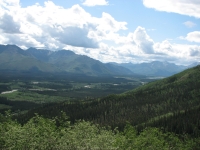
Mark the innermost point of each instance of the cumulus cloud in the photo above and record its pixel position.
(165, 47)
(76, 37)
(138, 51)
(193, 36)
(8, 25)
(144, 42)
(183, 54)
(184, 7)
(195, 51)
(95, 2)
(189, 24)
(10, 2)
(3, 40)
(23, 40)
(108, 23)
(73, 26)
(106, 28)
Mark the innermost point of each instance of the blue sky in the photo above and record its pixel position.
(111, 31)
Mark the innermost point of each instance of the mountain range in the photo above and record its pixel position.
(13, 58)
(155, 68)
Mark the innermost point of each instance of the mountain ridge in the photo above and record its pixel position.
(32, 59)
(41, 60)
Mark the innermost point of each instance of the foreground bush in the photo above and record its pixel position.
(41, 133)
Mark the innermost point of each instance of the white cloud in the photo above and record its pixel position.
(195, 51)
(3, 40)
(24, 40)
(144, 42)
(193, 36)
(164, 47)
(178, 53)
(189, 24)
(108, 23)
(11, 4)
(184, 7)
(76, 37)
(183, 54)
(8, 25)
(72, 26)
(95, 2)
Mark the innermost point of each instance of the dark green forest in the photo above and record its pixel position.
(163, 114)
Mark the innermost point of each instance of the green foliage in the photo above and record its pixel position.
(152, 138)
(126, 139)
(42, 133)
(84, 135)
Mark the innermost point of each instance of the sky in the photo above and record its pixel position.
(119, 31)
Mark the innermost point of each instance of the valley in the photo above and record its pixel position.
(57, 93)
(43, 89)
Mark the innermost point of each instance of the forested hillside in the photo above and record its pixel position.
(158, 104)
